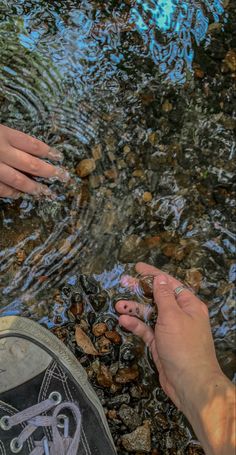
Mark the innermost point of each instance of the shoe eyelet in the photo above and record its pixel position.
(61, 418)
(15, 446)
(55, 397)
(4, 423)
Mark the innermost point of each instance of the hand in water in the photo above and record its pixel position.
(183, 351)
(21, 154)
(181, 344)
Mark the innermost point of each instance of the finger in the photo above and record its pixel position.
(20, 182)
(32, 165)
(7, 191)
(185, 299)
(146, 269)
(138, 328)
(133, 308)
(164, 295)
(31, 145)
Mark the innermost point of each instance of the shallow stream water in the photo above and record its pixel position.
(147, 89)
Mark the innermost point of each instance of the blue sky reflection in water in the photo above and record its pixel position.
(180, 23)
(169, 29)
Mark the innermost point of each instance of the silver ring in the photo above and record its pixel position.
(179, 289)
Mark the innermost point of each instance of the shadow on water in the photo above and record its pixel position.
(146, 89)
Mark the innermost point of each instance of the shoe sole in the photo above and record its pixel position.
(29, 330)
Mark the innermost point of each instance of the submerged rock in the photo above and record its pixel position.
(130, 417)
(139, 440)
(85, 167)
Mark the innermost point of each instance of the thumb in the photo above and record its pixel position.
(164, 295)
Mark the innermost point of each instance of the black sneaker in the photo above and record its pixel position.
(47, 406)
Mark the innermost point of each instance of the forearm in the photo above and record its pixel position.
(212, 416)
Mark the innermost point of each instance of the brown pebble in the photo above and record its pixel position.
(230, 60)
(125, 375)
(111, 174)
(85, 167)
(147, 286)
(126, 149)
(97, 152)
(113, 336)
(138, 173)
(112, 414)
(104, 377)
(77, 309)
(194, 278)
(167, 106)
(99, 329)
(21, 255)
(147, 196)
(103, 345)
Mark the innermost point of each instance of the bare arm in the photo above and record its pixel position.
(183, 350)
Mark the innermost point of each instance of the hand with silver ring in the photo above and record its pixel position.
(183, 350)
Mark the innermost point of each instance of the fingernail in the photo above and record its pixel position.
(62, 174)
(161, 279)
(54, 154)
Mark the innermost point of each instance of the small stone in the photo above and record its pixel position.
(153, 242)
(99, 329)
(104, 377)
(139, 440)
(119, 399)
(153, 138)
(113, 336)
(125, 375)
(111, 174)
(147, 286)
(85, 167)
(129, 417)
(167, 106)
(198, 72)
(138, 173)
(97, 152)
(194, 278)
(126, 149)
(111, 156)
(77, 309)
(147, 196)
(230, 60)
(21, 256)
(103, 345)
(111, 414)
(96, 180)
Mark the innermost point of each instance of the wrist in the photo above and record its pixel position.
(210, 410)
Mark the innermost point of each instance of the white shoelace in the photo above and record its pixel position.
(61, 444)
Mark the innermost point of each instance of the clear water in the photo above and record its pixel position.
(146, 83)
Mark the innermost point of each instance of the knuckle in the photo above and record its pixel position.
(33, 166)
(165, 292)
(19, 180)
(34, 144)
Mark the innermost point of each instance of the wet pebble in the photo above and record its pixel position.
(118, 400)
(99, 329)
(113, 336)
(85, 167)
(125, 375)
(130, 417)
(104, 376)
(230, 60)
(139, 440)
(103, 345)
(147, 196)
